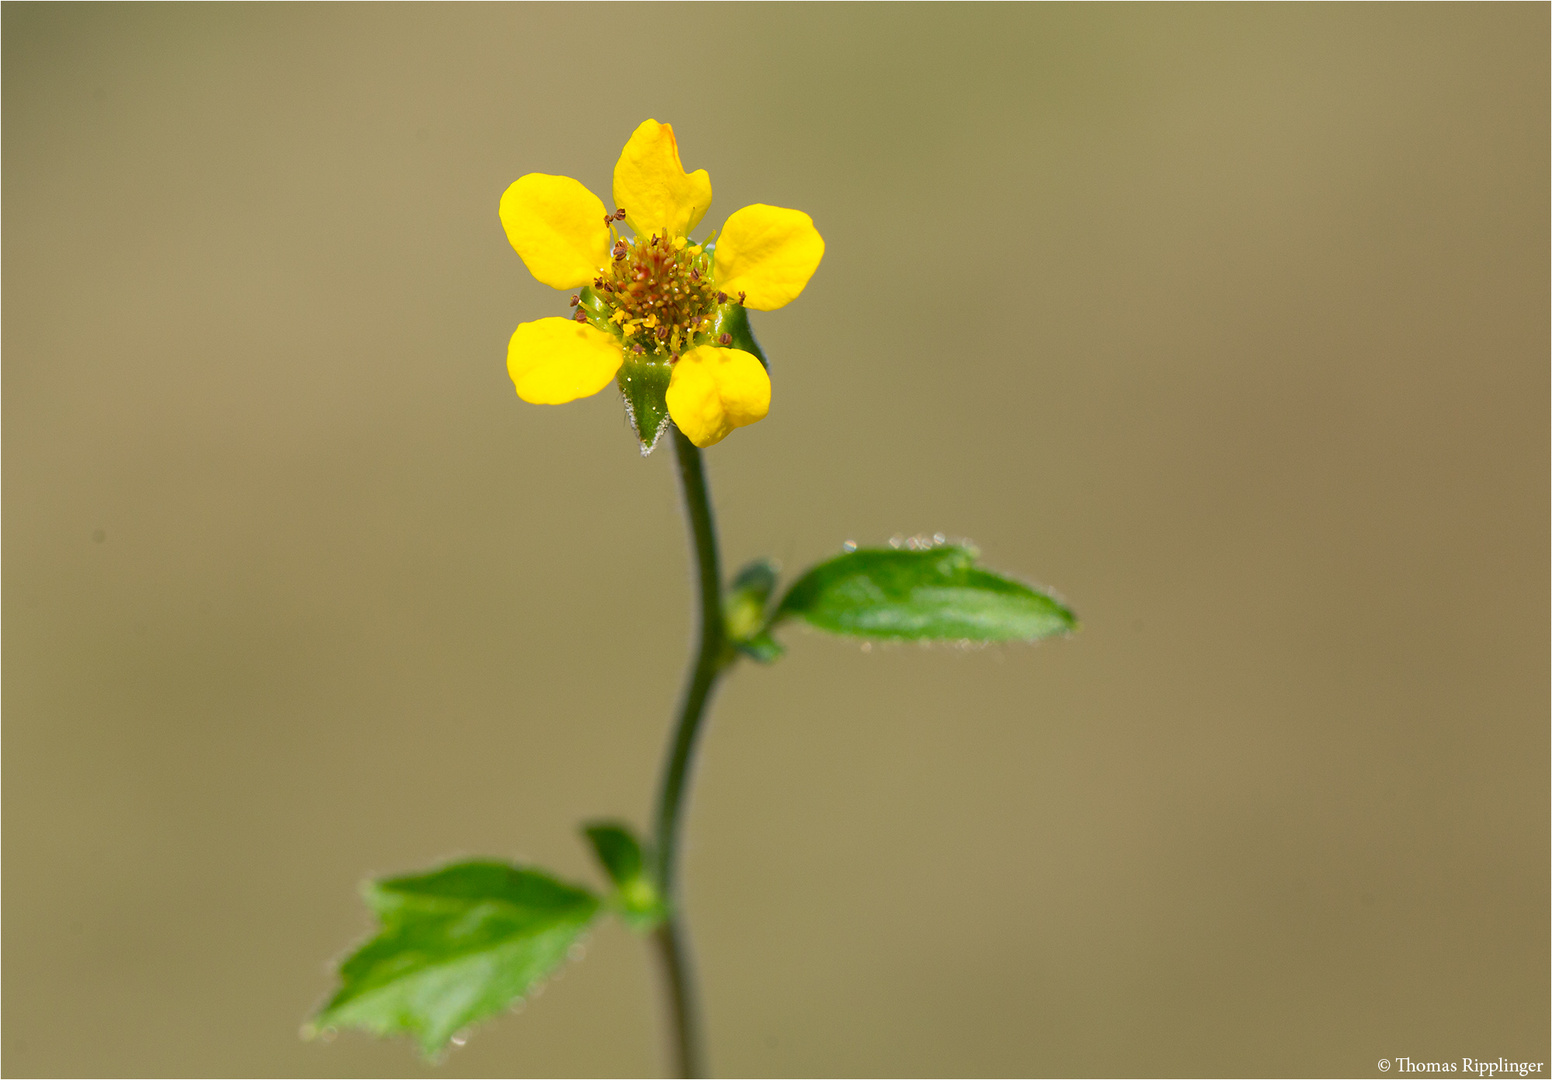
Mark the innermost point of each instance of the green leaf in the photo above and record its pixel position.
(455, 946)
(762, 648)
(636, 898)
(617, 849)
(933, 594)
(643, 382)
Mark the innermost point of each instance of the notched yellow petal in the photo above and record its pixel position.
(653, 189)
(714, 390)
(554, 361)
(557, 226)
(768, 253)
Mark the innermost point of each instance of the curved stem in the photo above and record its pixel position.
(702, 678)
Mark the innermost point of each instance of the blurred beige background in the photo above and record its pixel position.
(1230, 323)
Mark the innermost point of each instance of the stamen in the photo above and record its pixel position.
(725, 339)
(575, 300)
(659, 293)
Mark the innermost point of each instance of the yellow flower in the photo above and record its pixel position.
(655, 309)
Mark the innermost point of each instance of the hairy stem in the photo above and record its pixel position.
(709, 661)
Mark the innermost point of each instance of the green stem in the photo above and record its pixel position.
(710, 660)
(679, 980)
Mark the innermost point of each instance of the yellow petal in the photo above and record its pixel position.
(653, 189)
(714, 390)
(554, 361)
(768, 253)
(557, 226)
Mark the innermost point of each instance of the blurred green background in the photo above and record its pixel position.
(1229, 323)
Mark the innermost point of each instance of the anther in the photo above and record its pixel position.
(722, 298)
(619, 215)
(725, 339)
(580, 316)
(695, 275)
(575, 300)
(741, 296)
(608, 219)
(662, 332)
(673, 358)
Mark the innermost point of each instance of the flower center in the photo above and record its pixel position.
(658, 291)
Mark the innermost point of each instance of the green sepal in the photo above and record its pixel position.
(929, 594)
(455, 946)
(596, 310)
(733, 319)
(635, 899)
(744, 605)
(643, 382)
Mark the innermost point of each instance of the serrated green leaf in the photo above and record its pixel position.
(624, 859)
(935, 594)
(455, 946)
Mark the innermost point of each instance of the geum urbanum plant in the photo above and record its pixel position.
(665, 316)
